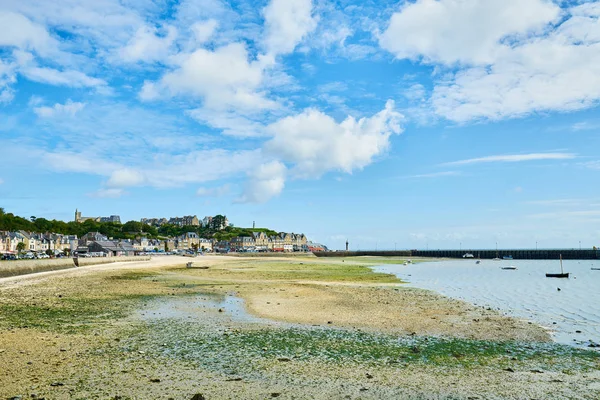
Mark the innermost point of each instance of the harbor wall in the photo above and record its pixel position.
(516, 254)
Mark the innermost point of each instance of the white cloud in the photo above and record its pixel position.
(125, 177)
(514, 57)
(77, 162)
(70, 108)
(69, 78)
(214, 191)
(203, 31)
(515, 158)
(315, 143)
(450, 31)
(266, 181)
(222, 78)
(147, 46)
(20, 32)
(108, 193)
(287, 22)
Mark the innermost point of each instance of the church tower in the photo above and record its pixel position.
(77, 216)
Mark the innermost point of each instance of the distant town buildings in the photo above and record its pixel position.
(188, 220)
(112, 218)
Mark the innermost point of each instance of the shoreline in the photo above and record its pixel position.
(156, 329)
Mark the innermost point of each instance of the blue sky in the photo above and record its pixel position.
(428, 123)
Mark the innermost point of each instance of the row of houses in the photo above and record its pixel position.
(36, 242)
(95, 242)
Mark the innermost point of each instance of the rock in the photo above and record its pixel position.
(154, 380)
(537, 371)
(57, 384)
(363, 389)
(275, 394)
(558, 289)
(284, 359)
(330, 322)
(233, 380)
(15, 398)
(415, 349)
(220, 310)
(369, 376)
(198, 396)
(577, 331)
(509, 369)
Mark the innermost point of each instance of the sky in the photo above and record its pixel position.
(391, 124)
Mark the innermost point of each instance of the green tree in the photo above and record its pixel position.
(218, 222)
(50, 252)
(20, 247)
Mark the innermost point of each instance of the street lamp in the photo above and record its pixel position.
(536, 245)
(580, 245)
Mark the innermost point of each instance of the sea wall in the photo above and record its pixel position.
(22, 267)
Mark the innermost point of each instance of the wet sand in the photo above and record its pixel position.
(110, 330)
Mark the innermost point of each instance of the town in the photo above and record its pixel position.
(108, 237)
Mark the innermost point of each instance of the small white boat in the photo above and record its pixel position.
(468, 255)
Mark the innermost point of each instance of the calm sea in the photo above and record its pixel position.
(524, 293)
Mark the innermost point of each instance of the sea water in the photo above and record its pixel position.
(569, 308)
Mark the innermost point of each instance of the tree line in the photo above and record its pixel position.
(128, 230)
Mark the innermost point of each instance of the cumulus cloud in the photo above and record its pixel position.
(450, 31)
(214, 191)
(287, 22)
(147, 46)
(265, 182)
(315, 143)
(514, 57)
(70, 108)
(20, 32)
(203, 31)
(223, 78)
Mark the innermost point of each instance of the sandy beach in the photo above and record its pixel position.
(236, 327)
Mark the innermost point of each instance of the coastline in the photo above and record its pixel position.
(346, 324)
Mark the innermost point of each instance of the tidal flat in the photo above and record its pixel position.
(265, 328)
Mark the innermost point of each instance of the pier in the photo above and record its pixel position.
(516, 254)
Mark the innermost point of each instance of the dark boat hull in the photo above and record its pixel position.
(557, 275)
(509, 268)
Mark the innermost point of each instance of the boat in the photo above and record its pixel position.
(562, 272)
(468, 255)
(595, 269)
(507, 257)
(511, 267)
(478, 262)
(496, 259)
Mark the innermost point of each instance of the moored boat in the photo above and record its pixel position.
(562, 274)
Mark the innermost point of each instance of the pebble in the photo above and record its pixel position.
(275, 394)
(198, 396)
(154, 380)
(284, 359)
(57, 384)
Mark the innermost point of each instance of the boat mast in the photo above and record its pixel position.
(561, 267)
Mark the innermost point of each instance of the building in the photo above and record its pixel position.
(112, 218)
(188, 220)
(154, 221)
(92, 237)
(242, 243)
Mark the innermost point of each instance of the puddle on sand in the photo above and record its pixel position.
(201, 308)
